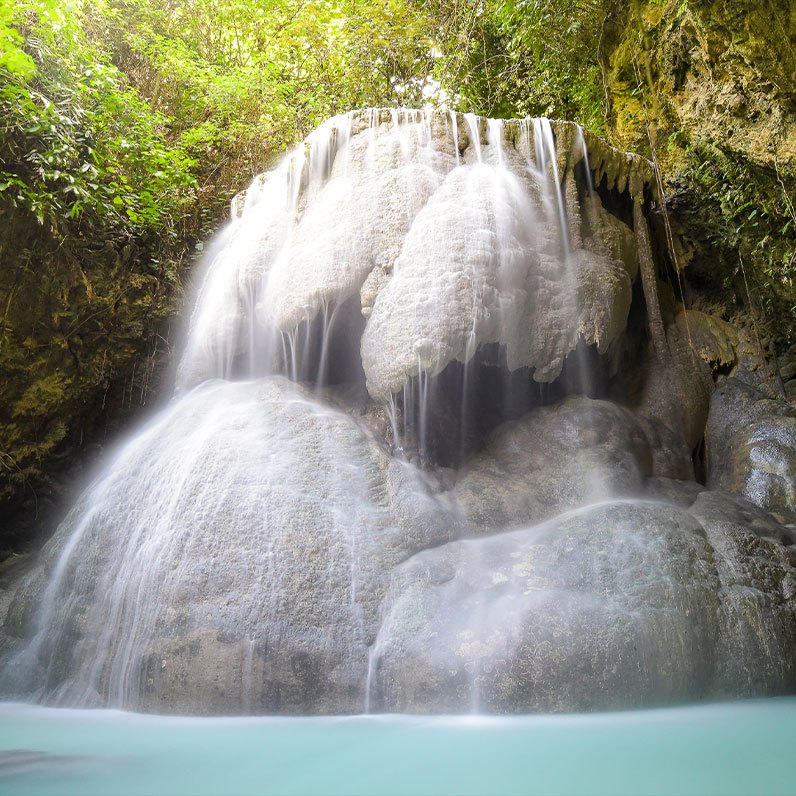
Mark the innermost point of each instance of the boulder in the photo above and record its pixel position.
(561, 457)
(607, 607)
(603, 608)
(751, 442)
(755, 561)
(676, 389)
(259, 593)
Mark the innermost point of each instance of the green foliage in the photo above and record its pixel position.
(241, 81)
(77, 143)
(13, 58)
(93, 188)
(744, 217)
(116, 108)
(527, 57)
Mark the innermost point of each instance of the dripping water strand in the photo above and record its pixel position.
(587, 166)
(662, 197)
(475, 135)
(547, 164)
(454, 122)
(392, 414)
(422, 389)
(494, 137)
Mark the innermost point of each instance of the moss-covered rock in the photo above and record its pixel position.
(709, 89)
(83, 330)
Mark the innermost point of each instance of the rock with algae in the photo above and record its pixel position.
(602, 608)
(751, 441)
(233, 558)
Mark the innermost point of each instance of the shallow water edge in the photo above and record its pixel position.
(725, 748)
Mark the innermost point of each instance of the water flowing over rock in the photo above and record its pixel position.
(274, 573)
(434, 447)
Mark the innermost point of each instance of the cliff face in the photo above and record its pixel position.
(709, 88)
(711, 72)
(84, 323)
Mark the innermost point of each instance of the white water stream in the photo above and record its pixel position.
(276, 538)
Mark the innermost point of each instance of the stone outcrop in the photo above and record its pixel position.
(707, 88)
(450, 237)
(554, 460)
(606, 607)
(319, 575)
(82, 346)
(751, 441)
(258, 594)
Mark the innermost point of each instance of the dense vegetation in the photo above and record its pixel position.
(158, 97)
(126, 125)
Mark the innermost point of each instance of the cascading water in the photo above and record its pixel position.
(418, 459)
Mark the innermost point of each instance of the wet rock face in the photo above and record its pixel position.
(724, 72)
(84, 333)
(454, 236)
(751, 443)
(606, 607)
(718, 90)
(754, 558)
(577, 614)
(257, 594)
(556, 459)
(396, 494)
(330, 578)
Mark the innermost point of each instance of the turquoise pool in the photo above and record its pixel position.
(728, 748)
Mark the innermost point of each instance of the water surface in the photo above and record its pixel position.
(729, 748)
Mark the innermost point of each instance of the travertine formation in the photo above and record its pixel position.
(454, 232)
(444, 440)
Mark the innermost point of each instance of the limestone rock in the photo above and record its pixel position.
(678, 492)
(357, 222)
(465, 214)
(260, 594)
(751, 443)
(712, 338)
(610, 236)
(556, 459)
(479, 266)
(755, 561)
(605, 607)
(677, 389)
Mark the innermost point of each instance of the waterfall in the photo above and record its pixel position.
(399, 471)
